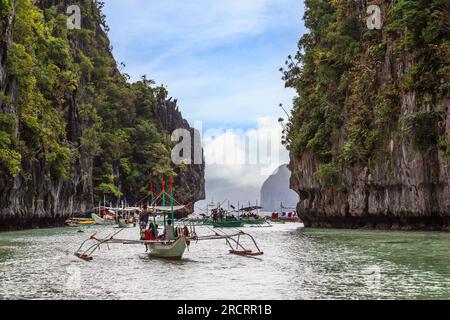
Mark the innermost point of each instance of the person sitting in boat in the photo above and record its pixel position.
(186, 231)
(150, 233)
(168, 231)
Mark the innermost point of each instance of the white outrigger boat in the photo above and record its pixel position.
(180, 239)
(112, 216)
(102, 221)
(171, 249)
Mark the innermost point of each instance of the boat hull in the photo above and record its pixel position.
(228, 224)
(171, 251)
(79, 222)
(101, 221)
(87, 222)
(125, 224)
(255, 222)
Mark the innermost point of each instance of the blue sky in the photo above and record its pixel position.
(220, 59)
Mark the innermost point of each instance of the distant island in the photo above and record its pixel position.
(275, 191)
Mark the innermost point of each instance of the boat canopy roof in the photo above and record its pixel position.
(114, 210)
(249, 209)
(166, 209)
(128, 209)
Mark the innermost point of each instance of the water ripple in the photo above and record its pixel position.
(297, 264)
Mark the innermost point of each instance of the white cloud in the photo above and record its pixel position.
(230, 171)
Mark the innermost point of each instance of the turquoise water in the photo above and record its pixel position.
(297, 264)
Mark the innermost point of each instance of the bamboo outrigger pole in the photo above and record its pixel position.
(152, 194)
(164, 199)
(171, 207)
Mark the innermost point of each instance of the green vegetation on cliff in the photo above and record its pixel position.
(347, 105)
(74, 108)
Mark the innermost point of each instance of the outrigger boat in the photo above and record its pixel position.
(102, 221)
(285, 217)
(126, 217)
(171, 249)
(220, 218)
(123, 223)
(286, 214)
(228, 223)
(113, 216)
(74, 222)
(168, 248)
(251, 218)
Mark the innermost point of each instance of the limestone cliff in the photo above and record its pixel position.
(275, 191)
(36, 197)
(189, 180)
(370, 131)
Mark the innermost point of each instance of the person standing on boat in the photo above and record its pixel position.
(168, 231)
(143, 221)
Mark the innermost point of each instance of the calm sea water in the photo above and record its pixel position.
(297, 264)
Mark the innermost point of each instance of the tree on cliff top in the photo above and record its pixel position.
(75, 108)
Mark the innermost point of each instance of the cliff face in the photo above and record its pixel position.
(70, 123)
(191, 179)
(380, 156)
(275, 191)
(37, 199)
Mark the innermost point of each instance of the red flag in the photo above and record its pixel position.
(163, 182)
(152, 190)
(171, 183)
